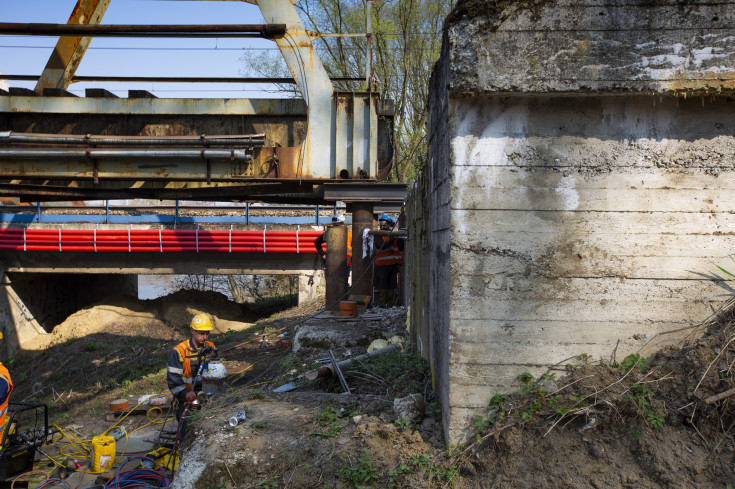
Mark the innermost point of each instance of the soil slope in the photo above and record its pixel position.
(648, 423)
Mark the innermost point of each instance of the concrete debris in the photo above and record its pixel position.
(327, 332)
(410, 408)
(377, 345)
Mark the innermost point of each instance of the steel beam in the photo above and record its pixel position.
(160, 263)
(316, 156)
(171, 79)
(336, 238)
(365, 192)
(116, 140)
(188, 107)
(68, 53)
(268, 31)
(277, 192)
(362, 276)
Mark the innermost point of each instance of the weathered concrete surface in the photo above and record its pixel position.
(536, 46)
(331, 331)
(427, 253)
(581, 213)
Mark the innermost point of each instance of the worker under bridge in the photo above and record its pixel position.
(327, 147)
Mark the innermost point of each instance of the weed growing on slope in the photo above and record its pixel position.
(363, 473)
(328, 423)
(640, 397)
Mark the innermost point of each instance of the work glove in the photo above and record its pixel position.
(207, 350)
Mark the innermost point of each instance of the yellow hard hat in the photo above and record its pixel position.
(201, 322)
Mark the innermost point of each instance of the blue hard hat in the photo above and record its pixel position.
(386, 218)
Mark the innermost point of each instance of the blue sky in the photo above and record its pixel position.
(27, 55)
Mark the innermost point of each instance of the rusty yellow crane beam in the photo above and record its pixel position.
(69, 51)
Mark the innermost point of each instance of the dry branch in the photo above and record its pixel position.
(720, 396)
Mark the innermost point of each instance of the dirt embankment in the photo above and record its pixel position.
(633, 423)
(647, 423)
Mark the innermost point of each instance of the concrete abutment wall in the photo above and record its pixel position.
(574, 199)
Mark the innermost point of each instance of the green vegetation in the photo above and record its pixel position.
(364, 473)
(269, 483)
(724, 270)
(420, 462)
(404, 424)
(640, 396)
(634, 360)
(328, 423)
(399, 372)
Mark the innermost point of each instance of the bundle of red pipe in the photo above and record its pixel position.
(21, 239)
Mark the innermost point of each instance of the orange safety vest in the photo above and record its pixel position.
(186, 353)
(349, 248)
(4, 406)
(389, 255)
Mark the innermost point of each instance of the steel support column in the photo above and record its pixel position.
(336, 263)
(362, 277)
(69, 51)
(311, 77)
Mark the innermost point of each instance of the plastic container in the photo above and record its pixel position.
(119, 405)
(348, 308)
(103, 453)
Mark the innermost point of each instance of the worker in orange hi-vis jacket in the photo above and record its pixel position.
(387, 263)
(184, 362)
(6, 387)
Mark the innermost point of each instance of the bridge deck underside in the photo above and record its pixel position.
(161, 263)
(264, 172)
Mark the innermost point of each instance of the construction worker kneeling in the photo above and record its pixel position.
(185, 364)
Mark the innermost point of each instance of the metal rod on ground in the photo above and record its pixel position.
(328, 370)
(341, 377)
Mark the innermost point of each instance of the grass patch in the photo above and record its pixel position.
(399, 372)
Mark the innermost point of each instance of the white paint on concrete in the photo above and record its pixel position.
(568, 193)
